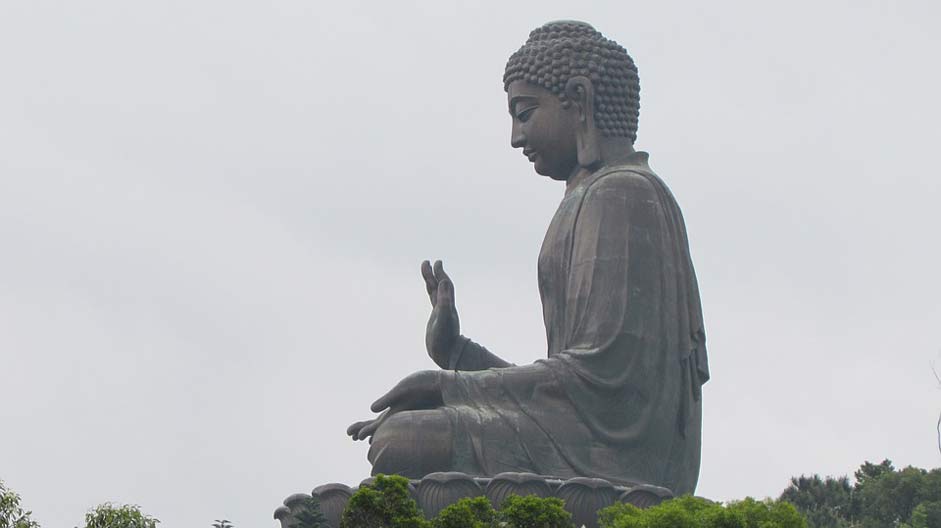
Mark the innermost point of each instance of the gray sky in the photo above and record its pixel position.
(212, 215)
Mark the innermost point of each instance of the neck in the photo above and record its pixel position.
(614, 149)
(611, 150)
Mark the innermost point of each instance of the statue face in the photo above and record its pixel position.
(543, 129)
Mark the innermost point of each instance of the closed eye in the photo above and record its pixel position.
(526, 114)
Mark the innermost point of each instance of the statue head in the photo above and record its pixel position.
(570, 90)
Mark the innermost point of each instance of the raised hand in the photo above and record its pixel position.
(444, 326)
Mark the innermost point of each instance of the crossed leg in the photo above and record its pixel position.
(412, 444)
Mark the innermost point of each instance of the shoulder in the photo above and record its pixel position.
(624, 195)
(625, 182)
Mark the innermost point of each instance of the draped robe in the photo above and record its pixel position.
(619, 396)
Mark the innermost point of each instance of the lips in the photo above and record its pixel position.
(531, 154)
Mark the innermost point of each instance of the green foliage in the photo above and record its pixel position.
(384, 504)
(882, 496)
(387, 504)
(108, 515)
(533, 512)
(671, 514)
(692, 512)
(869, 471)
(826, 503)
(767, 514)
(12, 514)
(890, 498)
(466, 513)
(620, 515)
(310, 515)
(927, 515)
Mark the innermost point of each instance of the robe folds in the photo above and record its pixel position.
(619, 396)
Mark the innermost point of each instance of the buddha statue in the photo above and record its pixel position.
(618, 396)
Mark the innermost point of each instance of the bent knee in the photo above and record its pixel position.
(412, 444)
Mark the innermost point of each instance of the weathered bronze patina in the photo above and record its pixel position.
(619, 396)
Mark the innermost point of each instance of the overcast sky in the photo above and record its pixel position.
(212, 215)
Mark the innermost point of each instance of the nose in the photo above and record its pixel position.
(517, 138)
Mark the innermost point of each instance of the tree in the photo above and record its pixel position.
(620, 515)
(926, 515)
(669, 514)
(383, 504)
(533, 512)
(827, 503)
(310, 515)
(869, 471)
(890, 498)
(692, 512)
(12, 514)
(881, 497)
(766, 514)
(108, 515)
(466, 513)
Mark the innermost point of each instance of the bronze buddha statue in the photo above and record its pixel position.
(619, 395)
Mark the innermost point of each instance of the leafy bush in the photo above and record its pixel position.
(387, 504)
(384, 504)
(108, 515)
(766, 514)
(12, 514)
(692, 512)
(533, 512)
(882, 496)
(466, 513)
(825, 502)
(926, 515)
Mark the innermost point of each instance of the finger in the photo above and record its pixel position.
(355, 428)
(372, 427)
(439, 271)
(363, 434)
(431, 283)
(446, 293)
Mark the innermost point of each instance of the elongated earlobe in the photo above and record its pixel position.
(580, 91)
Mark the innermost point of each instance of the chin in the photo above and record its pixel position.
(550, 173)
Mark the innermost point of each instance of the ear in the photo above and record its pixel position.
(580, 91)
